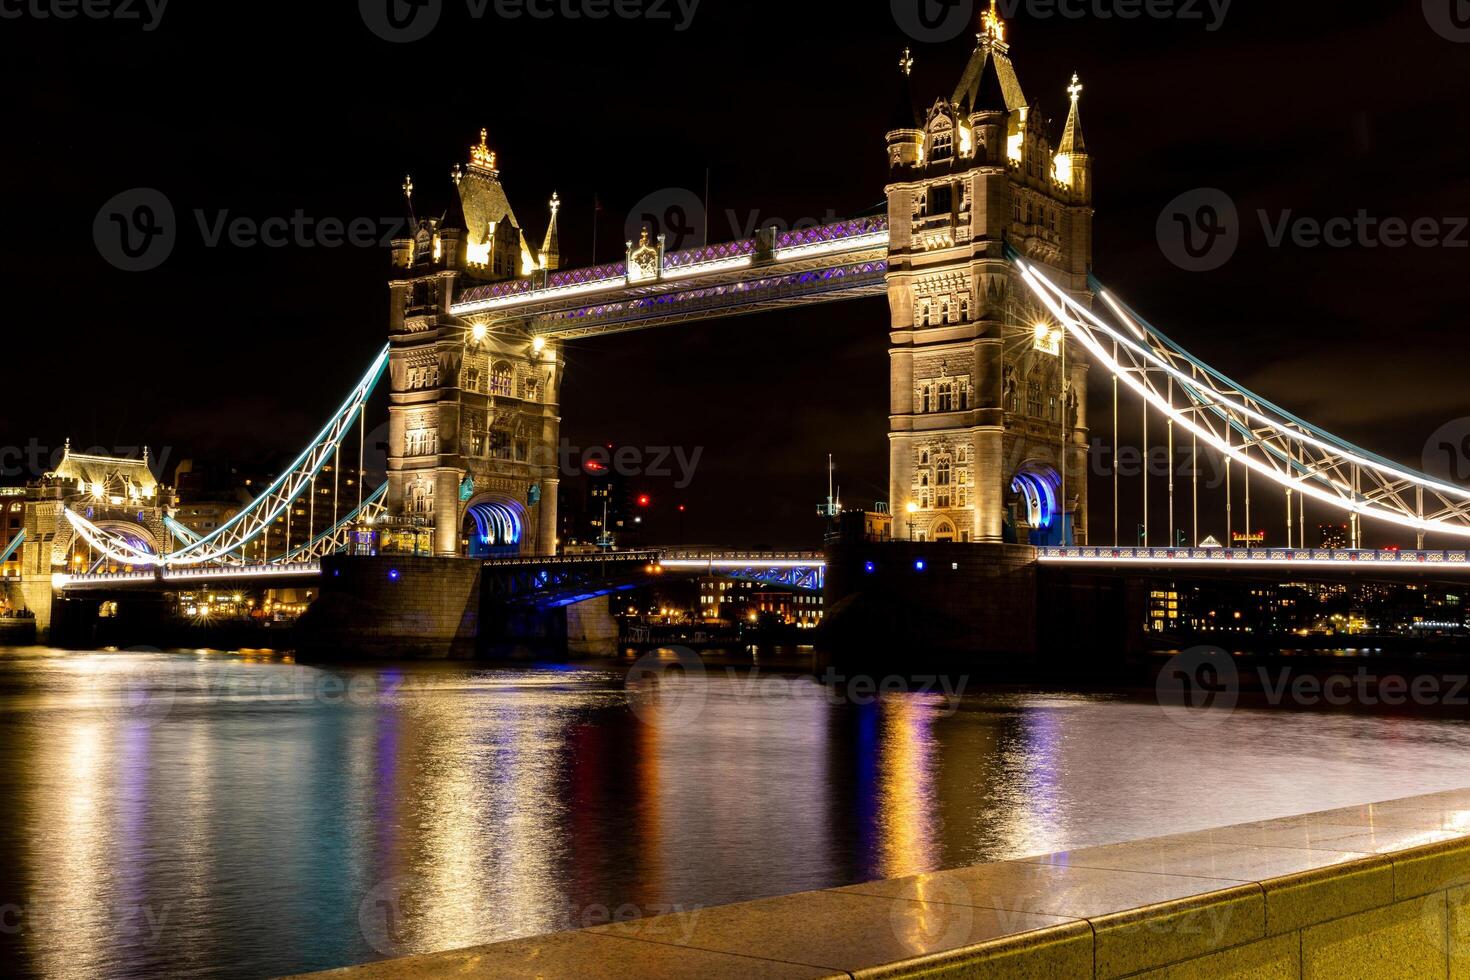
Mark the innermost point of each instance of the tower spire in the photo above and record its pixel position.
(992, 28)
(551, 248)
(906, 63)
(408, 198)
(1072, 141)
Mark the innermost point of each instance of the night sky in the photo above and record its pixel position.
(264, 109)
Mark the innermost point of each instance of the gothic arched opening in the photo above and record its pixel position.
(494, 527)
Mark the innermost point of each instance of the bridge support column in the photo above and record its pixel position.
(991, 479)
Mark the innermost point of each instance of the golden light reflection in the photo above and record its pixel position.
(68, 835)
(906, 815)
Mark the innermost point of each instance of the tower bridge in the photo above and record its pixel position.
(995, 319)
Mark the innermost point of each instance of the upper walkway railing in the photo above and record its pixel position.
(1458, 561)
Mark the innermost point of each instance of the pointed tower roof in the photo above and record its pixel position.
(454, 214)
(905, 116)
(551, 248)
(1072, 141)
(990, 93)
(413, 221)
(991, 51)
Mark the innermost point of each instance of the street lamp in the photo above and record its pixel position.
(912, 509)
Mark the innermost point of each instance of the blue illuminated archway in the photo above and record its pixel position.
(1040, 487)
(496, 527)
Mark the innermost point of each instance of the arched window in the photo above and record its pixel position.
(501, 376)
(944, 471)
(1034, 406)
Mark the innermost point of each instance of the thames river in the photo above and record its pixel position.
(214, 815)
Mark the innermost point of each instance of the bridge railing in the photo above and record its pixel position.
(1239, 556)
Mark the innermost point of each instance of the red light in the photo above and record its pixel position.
(681, 508)
(593, 466)
(645, 500)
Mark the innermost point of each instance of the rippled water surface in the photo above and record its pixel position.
(216, 815)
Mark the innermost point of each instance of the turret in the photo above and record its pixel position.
(551, 248)
(1072, 166)
(905, 136)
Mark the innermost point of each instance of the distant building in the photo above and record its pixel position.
(1334, 537)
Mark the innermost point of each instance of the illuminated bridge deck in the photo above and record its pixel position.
(1276, 559)
(846, 260)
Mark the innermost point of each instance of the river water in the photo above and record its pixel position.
(218, 815)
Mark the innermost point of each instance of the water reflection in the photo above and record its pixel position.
(203, 815)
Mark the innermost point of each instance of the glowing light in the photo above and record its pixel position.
(991, 26)
(920, 565)
(482, 156)
(1047, 339)
(480, 331)
(538, 344)
(912, 508)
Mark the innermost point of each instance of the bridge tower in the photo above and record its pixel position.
(118, 494)
(988, 433)
(474, 425)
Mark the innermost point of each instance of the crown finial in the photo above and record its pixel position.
(456, 174)
(992, 28)
(408, 187)
(482, 155)
(906, 63)
(555, 203)
(1075, 89)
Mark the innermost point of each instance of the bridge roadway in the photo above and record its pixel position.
(806, 571)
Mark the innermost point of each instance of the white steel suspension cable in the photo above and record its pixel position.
(1322, 467)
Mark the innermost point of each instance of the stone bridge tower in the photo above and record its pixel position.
(474, 425)
(988, 433)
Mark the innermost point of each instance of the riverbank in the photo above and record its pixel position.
(1367, 891)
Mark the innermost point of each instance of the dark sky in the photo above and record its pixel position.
(259, 110)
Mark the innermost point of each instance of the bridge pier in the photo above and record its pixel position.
(393, 607)
(905, 602)
(905, 605)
